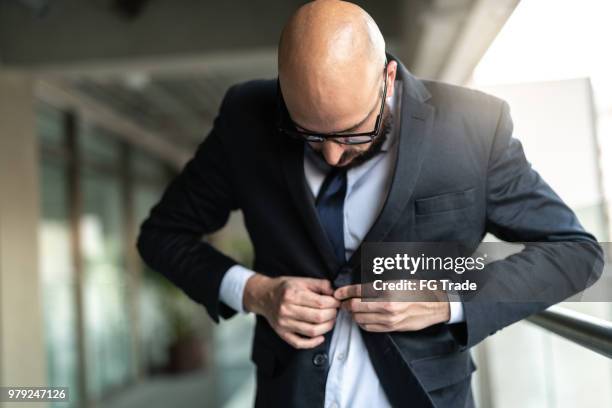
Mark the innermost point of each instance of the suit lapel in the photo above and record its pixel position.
(293, 168)
(415, 127)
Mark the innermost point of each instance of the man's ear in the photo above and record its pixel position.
(391, 72)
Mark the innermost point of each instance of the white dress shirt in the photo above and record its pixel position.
(351, 380)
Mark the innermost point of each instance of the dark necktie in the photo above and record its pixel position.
(330, 206)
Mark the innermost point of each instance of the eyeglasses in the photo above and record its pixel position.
(287, 126)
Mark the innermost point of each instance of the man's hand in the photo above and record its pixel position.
(300, 310)
(385, 316)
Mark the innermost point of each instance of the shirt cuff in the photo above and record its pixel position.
(232, 287)
(456, 308)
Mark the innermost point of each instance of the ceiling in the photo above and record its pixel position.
(181, 107)
(165, 66)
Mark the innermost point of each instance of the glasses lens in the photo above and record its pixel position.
(350, 140)
(299, 135)
(313, 138)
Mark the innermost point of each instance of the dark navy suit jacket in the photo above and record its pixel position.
(459, 175)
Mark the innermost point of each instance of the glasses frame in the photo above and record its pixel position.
(343, 138)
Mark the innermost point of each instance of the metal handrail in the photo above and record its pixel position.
(588, 331)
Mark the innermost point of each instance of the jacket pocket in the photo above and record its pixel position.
(444, 202)
(441, 371)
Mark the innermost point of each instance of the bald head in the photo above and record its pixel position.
(330, 63)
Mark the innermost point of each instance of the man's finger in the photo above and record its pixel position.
(376, 318)
(356, 305)
(300, 342)
(309, 314)
(374, 327)
(347, 292)
(322, 286)
(306, 329)
(311, 299)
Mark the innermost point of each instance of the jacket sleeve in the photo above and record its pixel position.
(197, 202)
(560, 259)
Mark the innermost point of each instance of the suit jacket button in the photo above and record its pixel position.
(319, 359)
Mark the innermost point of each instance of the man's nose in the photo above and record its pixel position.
(332, 152)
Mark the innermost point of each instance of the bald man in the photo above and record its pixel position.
(346, 147)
